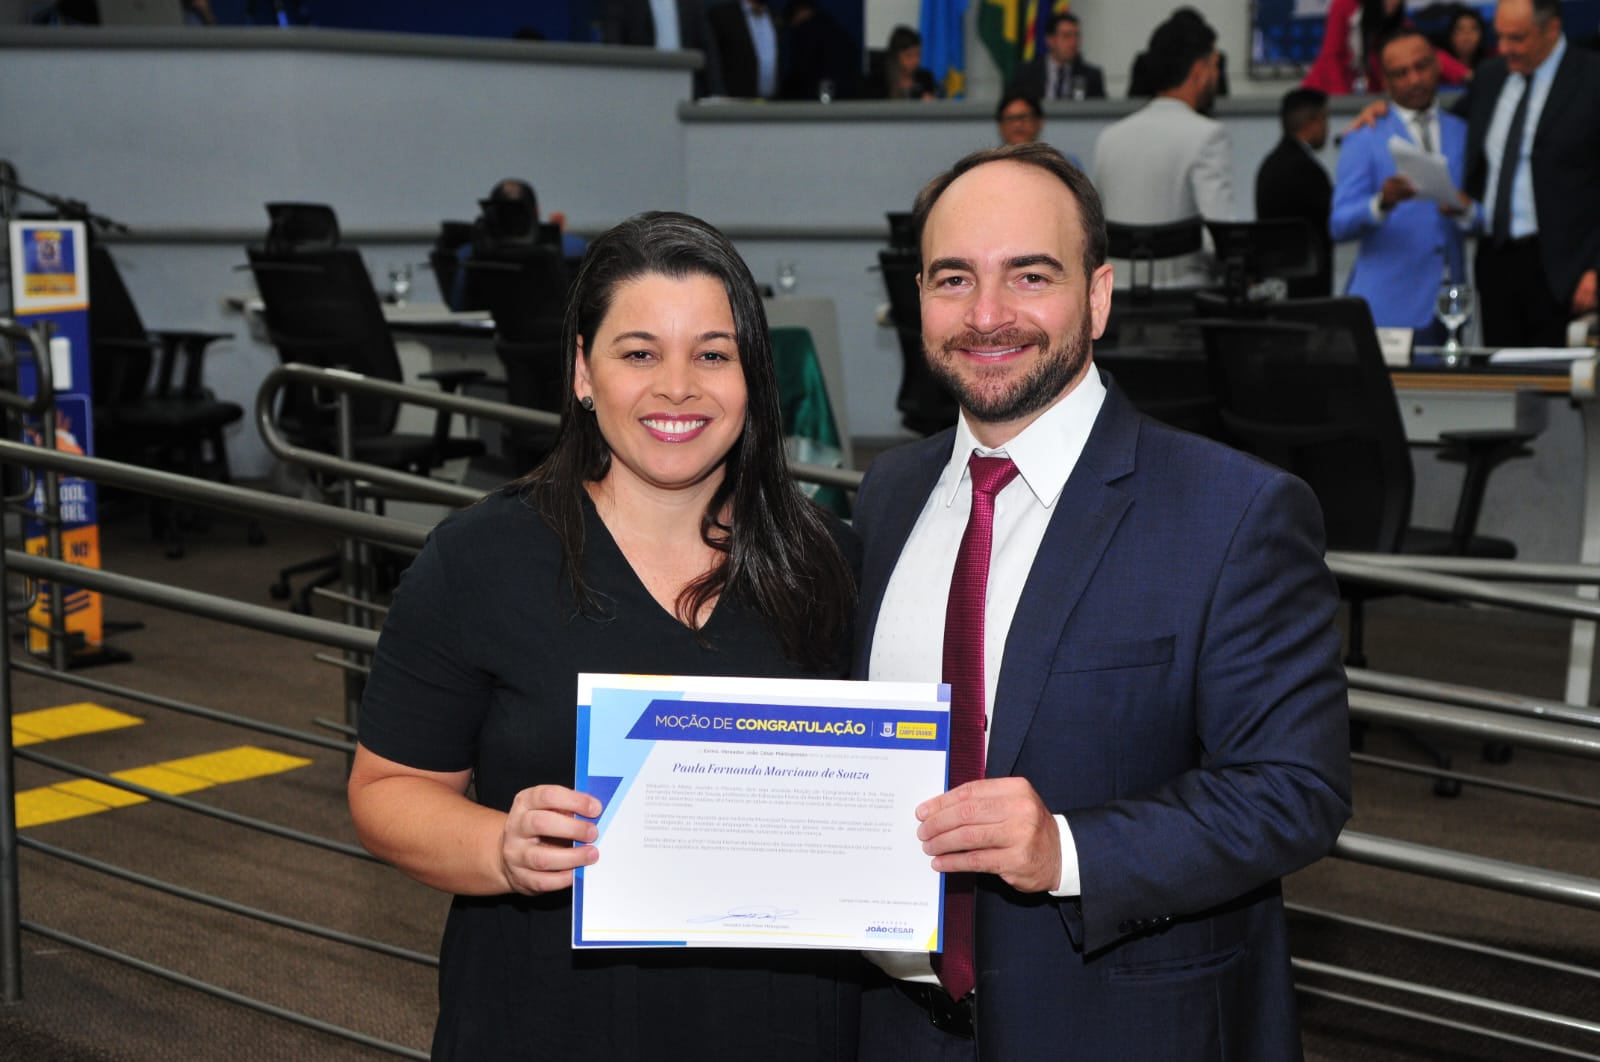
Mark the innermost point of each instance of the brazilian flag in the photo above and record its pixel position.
(1003, 27)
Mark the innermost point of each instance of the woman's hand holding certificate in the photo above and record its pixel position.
(537, 852)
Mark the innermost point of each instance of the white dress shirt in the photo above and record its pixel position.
(1524, 221)
(1423, 127)
(665, 15)
(908, 641)
(764, 35)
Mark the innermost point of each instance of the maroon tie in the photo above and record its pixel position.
(963, 670)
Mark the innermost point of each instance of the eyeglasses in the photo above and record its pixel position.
(1009, 119)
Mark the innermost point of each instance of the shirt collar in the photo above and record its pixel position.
(1045, 452)
(1415, 117)
(1546, 70)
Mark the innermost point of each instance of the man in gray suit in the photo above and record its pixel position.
(1168, 161)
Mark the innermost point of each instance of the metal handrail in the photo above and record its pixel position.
(1472, 697)
(380, 529)
(420, 488)
(1446, 864)
(1516, 571)
(1477, 723)
(38, 340)
(1484, 1031)
(258, 617)
(1454, 587)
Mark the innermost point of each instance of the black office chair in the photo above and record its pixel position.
(171, 422)
(924, 404)
(1307, 389)
(517, 273)
(1148, 244)
(1143, 315)
(902, 230)
(321, 309)
(1250, 252)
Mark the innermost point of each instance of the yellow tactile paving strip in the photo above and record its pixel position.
(80, 797)
(65, 721)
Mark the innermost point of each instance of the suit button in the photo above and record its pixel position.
(1124, 927)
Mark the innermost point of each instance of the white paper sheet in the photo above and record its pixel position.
(1428, 173)
(759, 813)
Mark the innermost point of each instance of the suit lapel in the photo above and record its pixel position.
(1086, 517)
(1563, 87)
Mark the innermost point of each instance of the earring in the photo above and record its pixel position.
(587, 402)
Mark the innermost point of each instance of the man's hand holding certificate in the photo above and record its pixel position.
(759, 812)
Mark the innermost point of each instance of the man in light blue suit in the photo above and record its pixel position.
(1138, 628)
(1408, 244)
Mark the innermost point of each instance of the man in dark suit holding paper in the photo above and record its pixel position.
(1146, 690)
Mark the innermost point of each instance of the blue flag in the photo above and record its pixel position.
(944, 44)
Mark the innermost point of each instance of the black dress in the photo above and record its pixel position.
(477, 668)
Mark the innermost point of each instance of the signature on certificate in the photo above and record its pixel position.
(749, 913)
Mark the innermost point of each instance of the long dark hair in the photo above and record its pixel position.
(776, 550)
(1376, 25)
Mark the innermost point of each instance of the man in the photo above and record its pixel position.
(1167, 161)
(666, 25)
(746, 38)
(824, 60)
(1146, 685)
(1019, 117)
(1060, 73)
(1537, 259)
(1291, 182)
(1407, 244)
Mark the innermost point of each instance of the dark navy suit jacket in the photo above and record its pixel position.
(1565, 162)
(1172, 684)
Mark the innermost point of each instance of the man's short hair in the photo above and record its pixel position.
(1091, 214)
(1545, 10)
(1300, 107)
(1176, 45)
(1056, 20)
(1400, 33)
(1012, 97)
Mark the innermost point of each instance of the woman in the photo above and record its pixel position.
(1466, 40)
(662, 535)
(1349, 62)
(903, 76)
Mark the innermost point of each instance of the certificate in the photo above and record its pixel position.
(759, 813)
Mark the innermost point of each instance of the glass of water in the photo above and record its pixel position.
(1454, 307)
(788, 279)
(399, 283)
